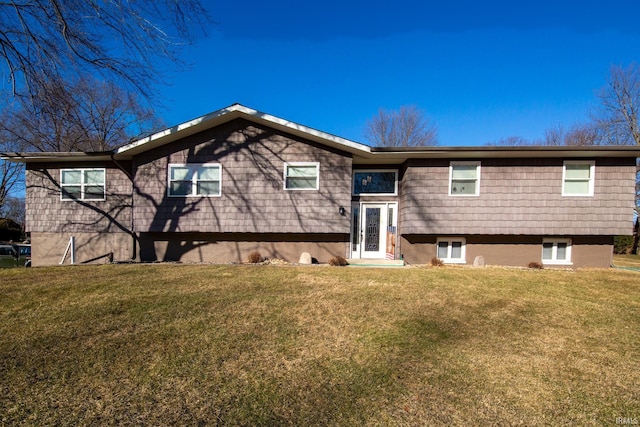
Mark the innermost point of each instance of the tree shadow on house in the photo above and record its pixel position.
(253, 207)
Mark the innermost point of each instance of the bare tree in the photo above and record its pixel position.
(407, 127)
(617, 117)
(87, 115)
(11, 175)
(44, 41)
(511, 141)
(14, 208)
(578, 134)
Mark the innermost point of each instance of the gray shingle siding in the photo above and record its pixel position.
(517, 196)
(253, 198)
(47, 213)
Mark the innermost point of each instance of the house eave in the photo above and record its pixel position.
(232, 112)
(385, 155)
(41, 157)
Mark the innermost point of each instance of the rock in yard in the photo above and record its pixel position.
(305, 258)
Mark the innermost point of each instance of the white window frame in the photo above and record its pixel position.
(294, 164)
(450, 240)
(554, 252)
(478, 168)
(353, 182)
(592, 173)
(194, 179)
(83, 184)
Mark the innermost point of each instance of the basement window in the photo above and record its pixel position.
(556, 251)
(451, 250)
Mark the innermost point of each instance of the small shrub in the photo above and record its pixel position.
(436, 262)
(535, 265)
(338, 261)
(622, 244)
(255, 257)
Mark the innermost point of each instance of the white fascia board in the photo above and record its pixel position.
(234, 111)
(299, 129)
(181, 128)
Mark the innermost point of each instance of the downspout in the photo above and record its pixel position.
(134, 241)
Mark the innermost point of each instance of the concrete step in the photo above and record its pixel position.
(375, 262)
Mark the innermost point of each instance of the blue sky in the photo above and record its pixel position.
(481, 70)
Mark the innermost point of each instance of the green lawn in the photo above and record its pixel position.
(268, 345)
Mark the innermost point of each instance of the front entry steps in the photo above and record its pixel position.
(375, 262)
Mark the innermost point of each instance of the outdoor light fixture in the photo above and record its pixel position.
(342, 211)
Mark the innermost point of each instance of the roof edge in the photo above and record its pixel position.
(73, 156)
(233, 111)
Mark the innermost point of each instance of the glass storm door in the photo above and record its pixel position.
(369, 231)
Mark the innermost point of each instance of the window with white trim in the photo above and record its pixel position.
(301, 175)
(556, 251)
(195, 179)
(464, 178)
(82, 184)
(451, 249)
(578, 178)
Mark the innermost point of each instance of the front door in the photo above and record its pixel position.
(373, 230)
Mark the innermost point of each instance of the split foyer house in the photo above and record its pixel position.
(238, 180)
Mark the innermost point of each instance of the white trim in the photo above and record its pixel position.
(357, 233)
(554, 251)
(194, 180)
(353, 182)
(294, 164)
(477, 164)
(450, 240)
(82, 185)
(592, 176)
(236, 110)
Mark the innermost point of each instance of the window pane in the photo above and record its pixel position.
(456, 250)
(180, 188)
(93, 192)
(209, 188)
(463, 187)
(71, 192)
(577, 171)
(576, 187)
(301, 182)
(307, 170)
(561, 254)
(443, 250)
(209, 173)
(94, 177)
(180, 173)
(374, 182)
(372, 229)
(355, 230)
(547, 250)
(464, 171)
(71, 176)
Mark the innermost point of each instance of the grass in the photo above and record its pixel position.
(628, 261)
(266, 345)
